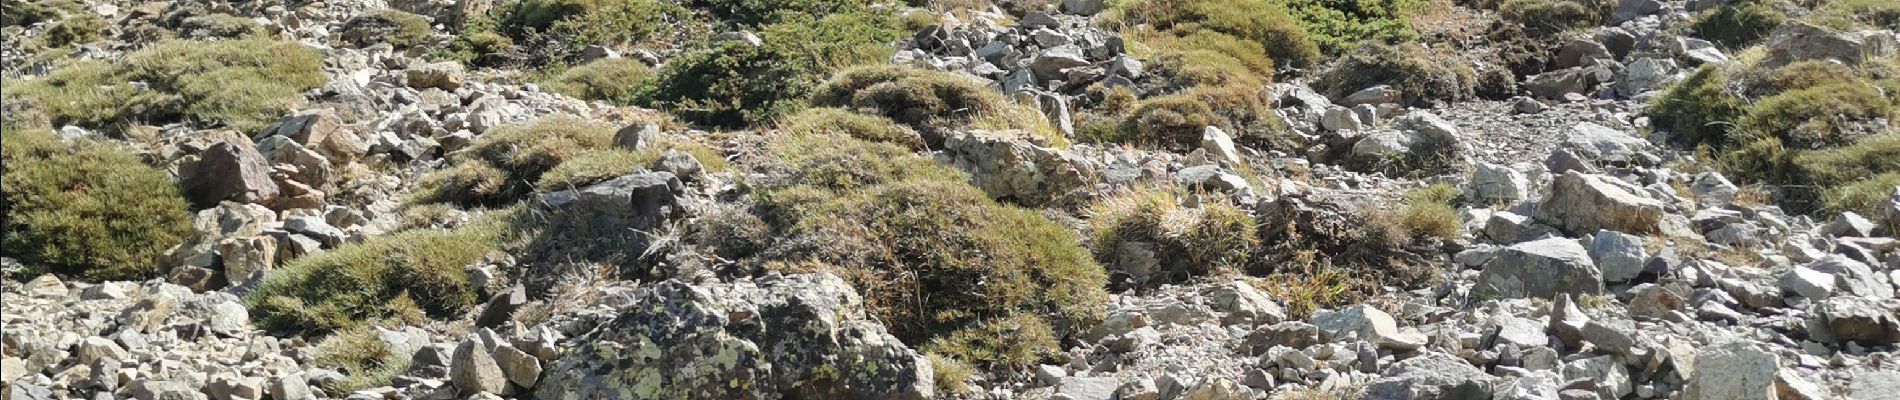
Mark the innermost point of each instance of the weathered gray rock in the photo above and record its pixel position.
(801, 336)
(1431, 376)
(1609, 376)
(1541, 268)
(1849, 224)
(1631, 9)
(1654, 301)
(1577, 80)
(229, 170)
(1745, 373)
(1802, 40)
(1497, 184)
(1586, 203)
(1340, 119)
(1007, 165)
(1244, 303)
(1219, 145)
(641, 200)
(165, 390)
(522, 369)
(291, 387)
(1814, 285)
(1860, 320)
(680, 164)
(1364, 322)
(473, 370)
(1646, 74)
(446, 75)
(1604, 145)
(1092, 388)
(1619, 255)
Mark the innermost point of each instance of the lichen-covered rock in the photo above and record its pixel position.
(1006, 165)
(801, 336)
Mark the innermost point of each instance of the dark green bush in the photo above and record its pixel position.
(561, 28)
(762, 12)
(1421, 75)
(1738, 24)
(913, 236)
(1700, 109)
(1337, 26)
(734, 84)
(86, 210)
(1260, 21)
(389, 276)
(611, 79)
(242, 84)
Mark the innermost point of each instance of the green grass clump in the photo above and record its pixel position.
(1554, 16)
(86, 210)
(601, 165)
(931, 100)
(1266, 23)
(950, 374)
(1208, 58)
(733, 84)
(390, 276)
(1738, 25)
(1187, 241)
(398, 28)
(1421, 75)
(1852, 15)
(365, 360)
(220, 26)
(1177, 120)
(1812, 118)
(610, 79)
(242, 84)
(29, 12)
(1700, 109)
(836, 121)
(935, 257)
(503, 164)
(79, 28)
(1429, 212)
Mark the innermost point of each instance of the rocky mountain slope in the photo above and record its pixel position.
(985, 199)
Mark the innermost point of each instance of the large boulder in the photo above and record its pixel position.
(1429, 377)
(1743, 372)
(800, 336)
(1584, 203)
(1541, 268)
(230, 170)
(1801, 40)
(1857, 319)
(1006, 165)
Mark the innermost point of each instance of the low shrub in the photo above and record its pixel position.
(1545, 17)
(561, 28)
(835, 121)
(1187, 242)
(761, 12)
(86, 210)
(1700, 109)
(364, 359)
(1801, 75)
(29, 12)
(600, 165)
(504, 164)
(1207, 58)
(930, 101)
(950, 374)
(734, 84)
(77, 28)
(1739, 24)
(1429, 212)
(612, 79)
(1264, 22)
(1177, 120)
(242, 84)
(1854, 15)
(1338, 26)
(223, 26)
(913, 235)
(1421, 75)
(389, 276)
(1815, 117)
(396, 27)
